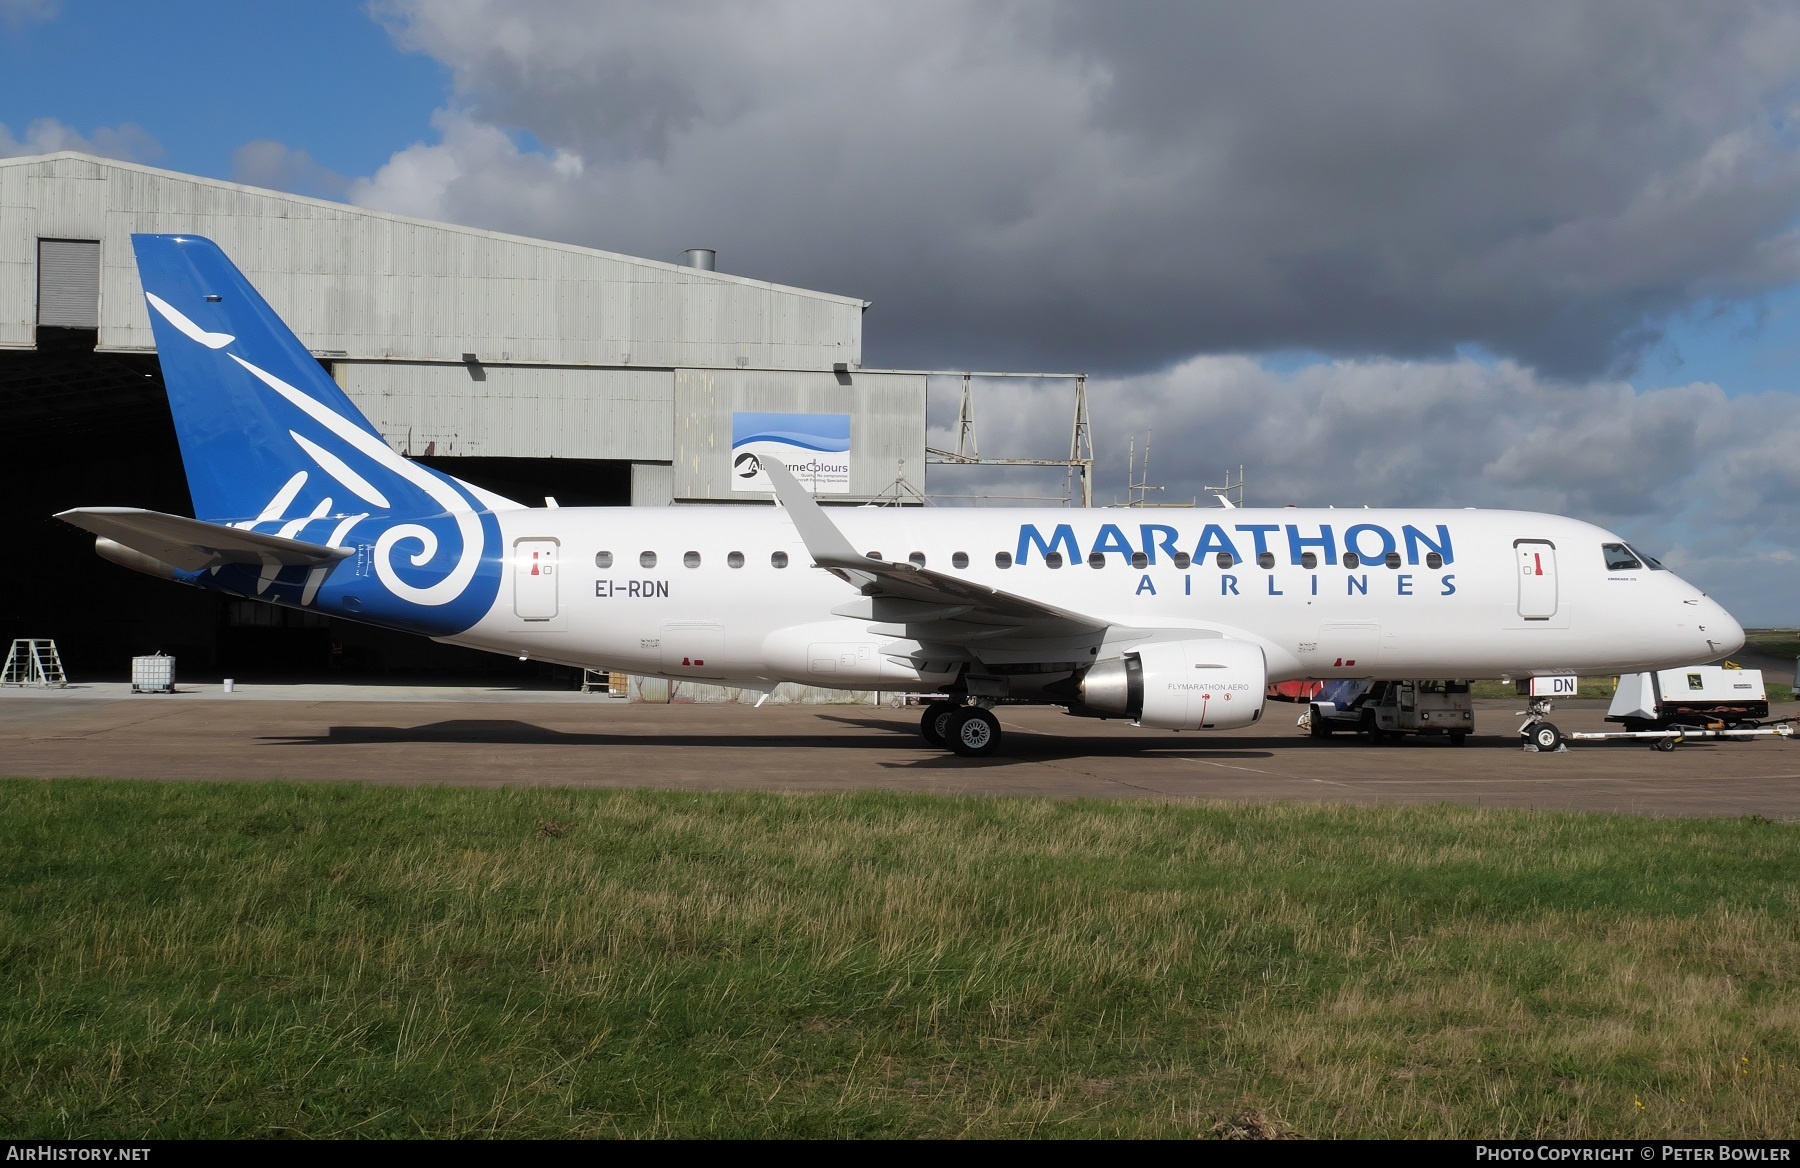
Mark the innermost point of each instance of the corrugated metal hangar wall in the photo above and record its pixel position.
(531, 367)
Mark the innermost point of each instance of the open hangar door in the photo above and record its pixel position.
(86, 428)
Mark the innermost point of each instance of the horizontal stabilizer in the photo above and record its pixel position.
(193, 545)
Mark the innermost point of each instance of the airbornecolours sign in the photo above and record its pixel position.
(814, 447)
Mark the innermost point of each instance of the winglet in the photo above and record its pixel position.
(826, 544)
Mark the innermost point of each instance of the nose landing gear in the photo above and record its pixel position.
(1539, 734)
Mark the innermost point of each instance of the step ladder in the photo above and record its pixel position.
(34, 661)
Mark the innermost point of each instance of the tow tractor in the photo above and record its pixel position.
(1661, 709)
(1388, 709)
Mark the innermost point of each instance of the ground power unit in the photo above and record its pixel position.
(1689, 696)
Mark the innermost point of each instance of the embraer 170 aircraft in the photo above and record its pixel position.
(1176, 624)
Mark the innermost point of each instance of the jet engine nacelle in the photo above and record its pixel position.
(1214, 684)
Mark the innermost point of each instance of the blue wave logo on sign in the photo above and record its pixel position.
(814, 447)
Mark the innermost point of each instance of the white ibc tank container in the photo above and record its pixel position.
(153, 674)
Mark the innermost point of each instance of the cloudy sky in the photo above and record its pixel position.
(1531, 254)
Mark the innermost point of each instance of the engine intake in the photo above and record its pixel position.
(1213, 684)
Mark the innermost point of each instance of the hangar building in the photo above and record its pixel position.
(526, 366)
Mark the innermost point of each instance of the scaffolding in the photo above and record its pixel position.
(1223, 494)
(1078, 467)
(901, 492)
(1138, 488)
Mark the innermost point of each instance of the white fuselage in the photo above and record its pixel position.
(1480, 614)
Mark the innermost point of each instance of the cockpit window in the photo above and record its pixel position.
(1619, 558)
(1651, 562)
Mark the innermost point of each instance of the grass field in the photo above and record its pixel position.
(1775, 642)
(322, 960)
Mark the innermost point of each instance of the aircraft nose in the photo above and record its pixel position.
(1723, 634)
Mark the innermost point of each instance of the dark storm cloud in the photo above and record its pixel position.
(1545, 179)
(1118, 186)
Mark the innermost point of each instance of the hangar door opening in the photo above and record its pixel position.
(534, 579)
(1536, 559)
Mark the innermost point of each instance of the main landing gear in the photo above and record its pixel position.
(970, 731)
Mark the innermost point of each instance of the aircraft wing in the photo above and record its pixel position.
(952, 617)
(193, 545)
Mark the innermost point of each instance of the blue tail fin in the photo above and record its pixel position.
(235, 434)
(270, 443)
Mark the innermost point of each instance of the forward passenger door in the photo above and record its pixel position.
(1535, 561)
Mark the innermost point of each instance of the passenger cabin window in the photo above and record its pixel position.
(1225, 559)
(959, 560)
(602, 559)
(735, 560)
(1096, 559)
(1433, 560)
(1140, 560)
(1619, 558)
(1309, 559)
(691, 559)
(1352, 560)
(1053, 559)
(917, 559)
(647, 560)
(1392, 559)
(1182, 560)
(1002, 559)
(1265, 559)
(778, 559)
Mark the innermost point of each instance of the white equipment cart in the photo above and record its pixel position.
(1666, 708)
